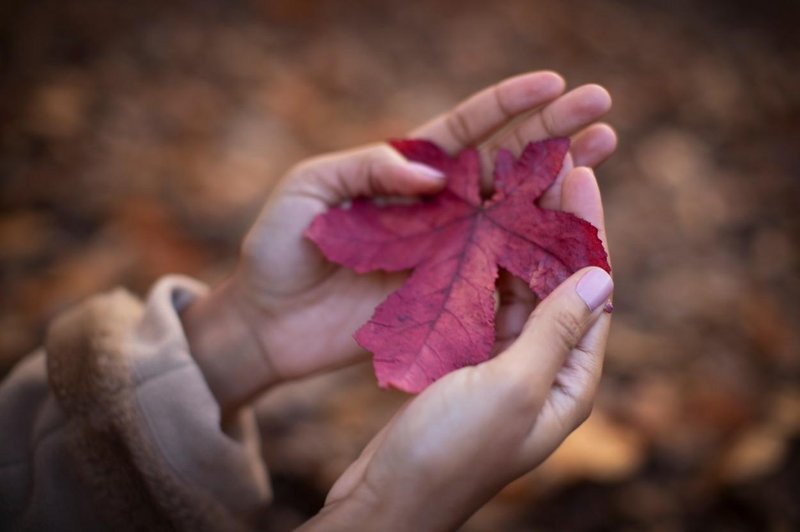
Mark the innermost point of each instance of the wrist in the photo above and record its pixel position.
(224, 345)
(415, 502)
(389, 511)
(353, 512)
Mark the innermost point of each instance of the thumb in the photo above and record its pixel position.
(557, 326)
(374, 170)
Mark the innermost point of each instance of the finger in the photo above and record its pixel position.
(576, 192)
(561, 118)
(517, 301)
(593, 145)
(572, 395)
(376, 170)
(553, 330)
(482, 114)
(565, 116)
(551, 199)
(581, 197)
(576, 382)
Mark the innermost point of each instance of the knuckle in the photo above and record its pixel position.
(518, 139)
(384, 152)
(516, 389)
(374, 181)
(297, 171)
(569, 327)
(549, 121)
(519, 392)
(457, 123)
(304, 172)
(248, 248)
(306, 166)
(499, 99)
(583, 411)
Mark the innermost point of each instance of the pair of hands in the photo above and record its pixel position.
(287, 313)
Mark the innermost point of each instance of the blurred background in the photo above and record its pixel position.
(141, 138)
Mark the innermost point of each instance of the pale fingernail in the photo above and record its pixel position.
(427, 171)
(594, 288)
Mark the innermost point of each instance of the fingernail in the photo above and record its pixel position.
(426, 170)
(594, 288)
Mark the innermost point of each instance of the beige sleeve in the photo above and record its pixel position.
(112, 426)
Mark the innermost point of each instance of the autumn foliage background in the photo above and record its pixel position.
(140, 138)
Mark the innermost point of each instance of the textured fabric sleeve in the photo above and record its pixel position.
(112, 426)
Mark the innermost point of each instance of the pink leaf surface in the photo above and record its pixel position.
(442, 318)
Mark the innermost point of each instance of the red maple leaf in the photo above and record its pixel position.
(442, 318)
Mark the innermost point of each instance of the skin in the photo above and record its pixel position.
(289, 313)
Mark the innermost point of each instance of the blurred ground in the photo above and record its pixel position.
(140, 138)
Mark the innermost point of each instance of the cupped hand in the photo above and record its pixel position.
(287, 312)
(451, 448)
(303, 309)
